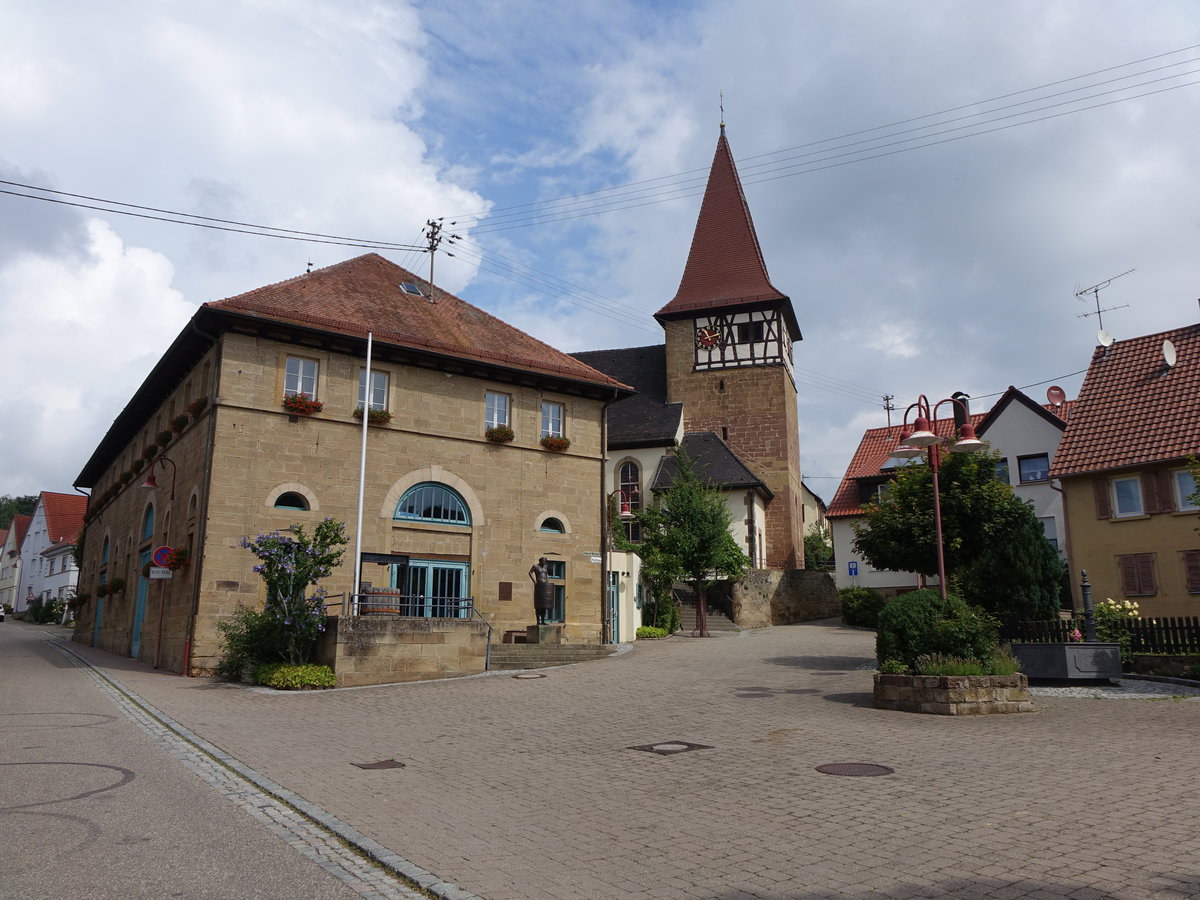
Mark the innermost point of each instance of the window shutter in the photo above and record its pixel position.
(1166, 491)
(1145, 573)
(1191, 568)
(1150, 499)
(1103, 503)
(1128, 568)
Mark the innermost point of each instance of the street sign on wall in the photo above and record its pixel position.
(852, 566)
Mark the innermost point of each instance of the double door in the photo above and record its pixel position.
(433, 589)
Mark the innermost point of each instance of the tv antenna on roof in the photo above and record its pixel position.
(1094, 290)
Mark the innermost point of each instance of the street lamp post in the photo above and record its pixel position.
(921, 438)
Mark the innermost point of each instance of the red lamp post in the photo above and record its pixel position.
(921, 438)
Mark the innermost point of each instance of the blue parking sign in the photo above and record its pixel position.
(853, 566)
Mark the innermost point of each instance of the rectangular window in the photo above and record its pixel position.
(496, 408)
(556, 571)
(1137, 574)
(1191, 569)
(552, 419)
(1050, 529)
(1185, 488)
(751, 332)
(50, 564)
(1127, 496)
(379, 388)
(300, 377)
(1002, 471)
(1033, 468)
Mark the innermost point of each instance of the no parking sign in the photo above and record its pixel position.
(162, 556)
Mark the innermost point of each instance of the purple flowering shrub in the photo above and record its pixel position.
(290, 562)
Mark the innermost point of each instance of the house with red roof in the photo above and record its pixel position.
(480, 454)
(1123, 466)
(721, 384)
(1025, 433)
(10, 560)
(48, 570)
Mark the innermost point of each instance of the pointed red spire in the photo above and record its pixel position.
(725, 267)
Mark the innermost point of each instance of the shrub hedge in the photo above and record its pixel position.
(861, 606)
(921, 622)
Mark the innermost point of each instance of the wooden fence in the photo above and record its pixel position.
(1169, 634)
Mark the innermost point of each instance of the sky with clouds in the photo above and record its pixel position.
(931, 181)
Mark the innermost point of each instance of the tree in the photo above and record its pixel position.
(685, 537)
(994, 546)
(818, 548)
(11, 507)
(291, 562)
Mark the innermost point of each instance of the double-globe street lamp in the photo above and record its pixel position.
(922, 439)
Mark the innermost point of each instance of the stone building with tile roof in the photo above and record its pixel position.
(253, 421)
(722, 381)
(1123, 469)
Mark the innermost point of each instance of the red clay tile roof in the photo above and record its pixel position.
(725, 266)
(1131, 409)
(64, 515)
(364, 294)
(21, 525)
(873, 451)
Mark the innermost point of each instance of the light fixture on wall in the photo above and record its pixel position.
(152, 483)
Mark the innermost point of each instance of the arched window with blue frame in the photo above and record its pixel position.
(148, 523)
(433, 502)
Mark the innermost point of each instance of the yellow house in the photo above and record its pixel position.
(1122, 464)
(483, 454)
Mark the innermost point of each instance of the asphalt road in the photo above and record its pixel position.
(92, 806)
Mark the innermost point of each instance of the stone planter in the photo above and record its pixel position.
(1069, 662)
(953, 695)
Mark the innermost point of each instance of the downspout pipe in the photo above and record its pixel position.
(1067, 528)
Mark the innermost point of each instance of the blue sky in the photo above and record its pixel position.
(945, 267)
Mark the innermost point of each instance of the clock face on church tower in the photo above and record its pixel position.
(708, 336)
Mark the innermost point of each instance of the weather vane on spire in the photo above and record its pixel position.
(722, 95)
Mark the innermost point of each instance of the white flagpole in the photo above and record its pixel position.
(362, 480)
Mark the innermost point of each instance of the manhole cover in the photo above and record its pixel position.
(667, 748)
(530, 675)
(854, 769)
(382, 764)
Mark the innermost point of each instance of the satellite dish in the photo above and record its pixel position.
(1168, 351)
(1056, 395)
(1103, 338)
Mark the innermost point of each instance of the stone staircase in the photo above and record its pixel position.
(539, 656)
(719, 624)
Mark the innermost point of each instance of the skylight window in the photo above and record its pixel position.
(410, 288)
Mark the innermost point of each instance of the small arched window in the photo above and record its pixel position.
(148, 524)
(291, 500)
(553, 525)
(104, 553)
(431, 502)
(631, 498)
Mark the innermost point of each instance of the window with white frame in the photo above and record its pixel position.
(552, 419)
(1127, 496)
(300, 377)
(1050, 529)
(1185, 487)
(496, 409)
(379, 389)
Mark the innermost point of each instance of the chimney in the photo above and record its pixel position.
(962, 409)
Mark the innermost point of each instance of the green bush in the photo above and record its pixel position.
(662, 614)
(893, 667)
(861, 606)
(1001, 662)
(921, 622)
(46, 613)
(249, 638)
(286, 677)
(649, 631)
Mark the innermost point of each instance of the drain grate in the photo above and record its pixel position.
(668, 748)
(854, 769)
(382, 764)
(530, 675)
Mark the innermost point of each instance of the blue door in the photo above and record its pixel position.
(99, 618)
(139, 607)
(614, 605)
(433, 589)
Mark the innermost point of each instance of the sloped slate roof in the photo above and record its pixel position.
(725, 266)
(1132, 410)
(873, 451)
(365, 294)
(645, 419)
(713, 462)
(64, 515)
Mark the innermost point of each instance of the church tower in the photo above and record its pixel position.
(729, 335)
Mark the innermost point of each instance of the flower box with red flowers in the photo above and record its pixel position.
(374, 416)
(555, 443)
(302, 405)
(499, 434)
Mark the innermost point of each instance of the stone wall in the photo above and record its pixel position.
(954, 695)
(783, 597)
(384, 650)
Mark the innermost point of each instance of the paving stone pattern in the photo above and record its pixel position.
(525, 789)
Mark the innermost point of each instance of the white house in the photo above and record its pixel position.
(10, 560)
(1025, 433)
(47, 566)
